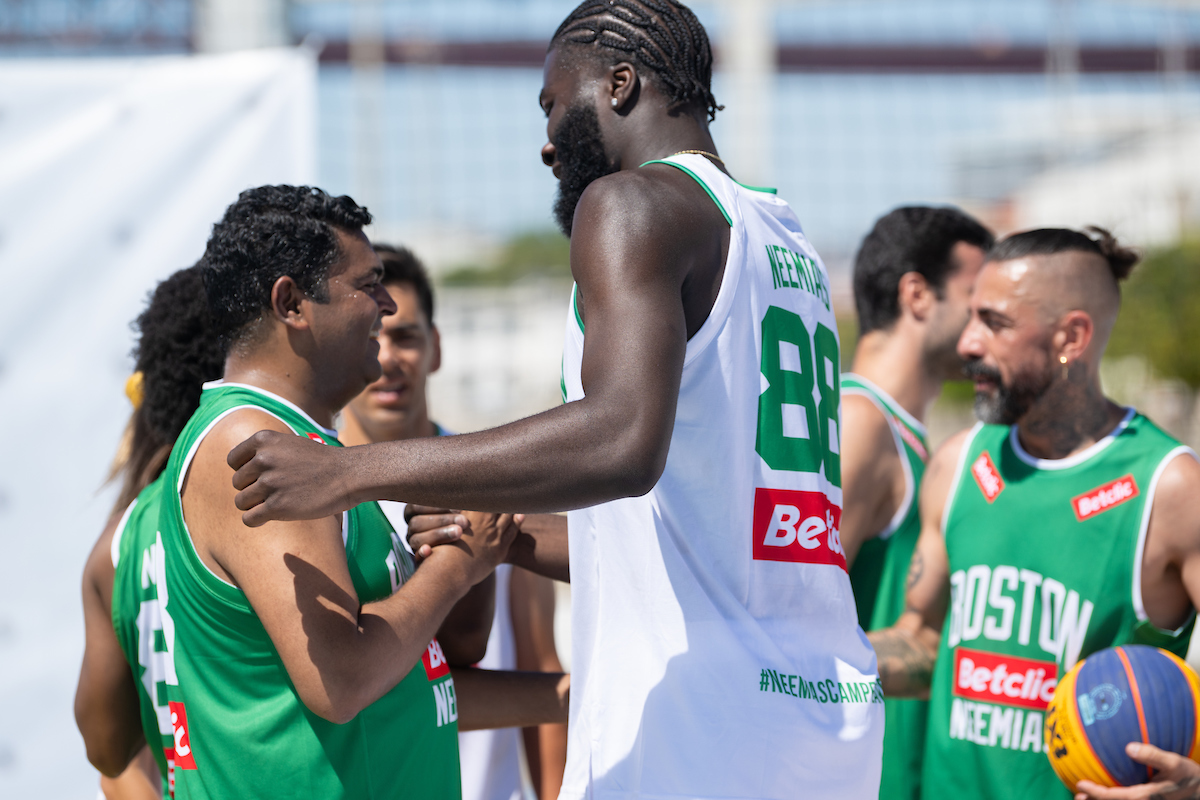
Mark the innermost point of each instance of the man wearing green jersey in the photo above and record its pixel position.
(912, 282)
(1062, 524)
(303, 663)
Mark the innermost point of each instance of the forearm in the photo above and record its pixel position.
(541, 547)
(905, 660)
(348, 664)
(494, 699)
(464, 634)
(106, 701)
(573, 456)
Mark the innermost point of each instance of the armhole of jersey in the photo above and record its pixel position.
(187, 465)
(909, 483)
(575, 307)
(1139, 607)
(957, 479)
(114, 548)
(703, 185)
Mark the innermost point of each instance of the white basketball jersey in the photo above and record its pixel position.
(715, 646)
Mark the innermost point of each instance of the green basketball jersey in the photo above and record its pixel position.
(240, 729)
(136, 555)
(879, 579)
(1045, 568)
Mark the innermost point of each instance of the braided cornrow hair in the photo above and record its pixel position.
(661, 35)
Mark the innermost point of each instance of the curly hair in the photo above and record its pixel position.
(1049, 241)
(176, 352)
(270, 232)
(910, 239)
(663, 36)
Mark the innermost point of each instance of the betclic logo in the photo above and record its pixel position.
(797, 527)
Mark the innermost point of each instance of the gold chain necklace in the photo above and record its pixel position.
(713, 156)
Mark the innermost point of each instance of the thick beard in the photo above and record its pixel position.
(580, 148)
(1009, 402)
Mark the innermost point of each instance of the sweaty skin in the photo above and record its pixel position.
(1014, 321)
(647, 253)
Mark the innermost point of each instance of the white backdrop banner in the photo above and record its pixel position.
(112, 173)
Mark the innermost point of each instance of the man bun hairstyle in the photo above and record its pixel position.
(1051, 241)
(401, 266)
(176, 352)
(663, 36)
(270, 232)
(917, 239)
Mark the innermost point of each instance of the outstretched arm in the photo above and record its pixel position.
(907, 651)
(106, 700)
(540, 547)
(499, 699)
(638, 236)
(341, 654)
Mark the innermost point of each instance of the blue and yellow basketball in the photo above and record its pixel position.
(1120, 695)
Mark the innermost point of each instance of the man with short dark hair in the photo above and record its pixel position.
(715, 649)
(912, 281)
(1061, 524)
(304, 661)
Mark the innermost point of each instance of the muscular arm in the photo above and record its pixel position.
(639, 235)
(871, 474)
(340, 654)
(907, 651)
(1171, 560)
(106, 700)
(540, 547)
(531, 598)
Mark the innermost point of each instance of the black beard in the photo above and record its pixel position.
(581, 157)
(1009, 402)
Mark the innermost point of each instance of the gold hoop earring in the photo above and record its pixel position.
(1063, 360)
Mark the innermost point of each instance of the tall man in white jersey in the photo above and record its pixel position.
(716, 652)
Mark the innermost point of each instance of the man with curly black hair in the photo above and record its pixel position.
(306, 661)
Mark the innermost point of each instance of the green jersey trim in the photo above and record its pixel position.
(1070, 461)
(1138, 608)
(575, 309)
(115, 548)
(956, 479)
(700, 181)
(764, 189)
(894, 407)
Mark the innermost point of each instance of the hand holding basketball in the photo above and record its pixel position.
(1180, 778)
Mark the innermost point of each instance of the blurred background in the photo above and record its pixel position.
(126, 126)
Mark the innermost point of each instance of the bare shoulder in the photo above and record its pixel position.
(231, 431)
(1175, 516)
(939, 473)
(865, 424)
(656, 203)
(98, 570)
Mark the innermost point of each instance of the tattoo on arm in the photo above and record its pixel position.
(905, 666)
(915, 570)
